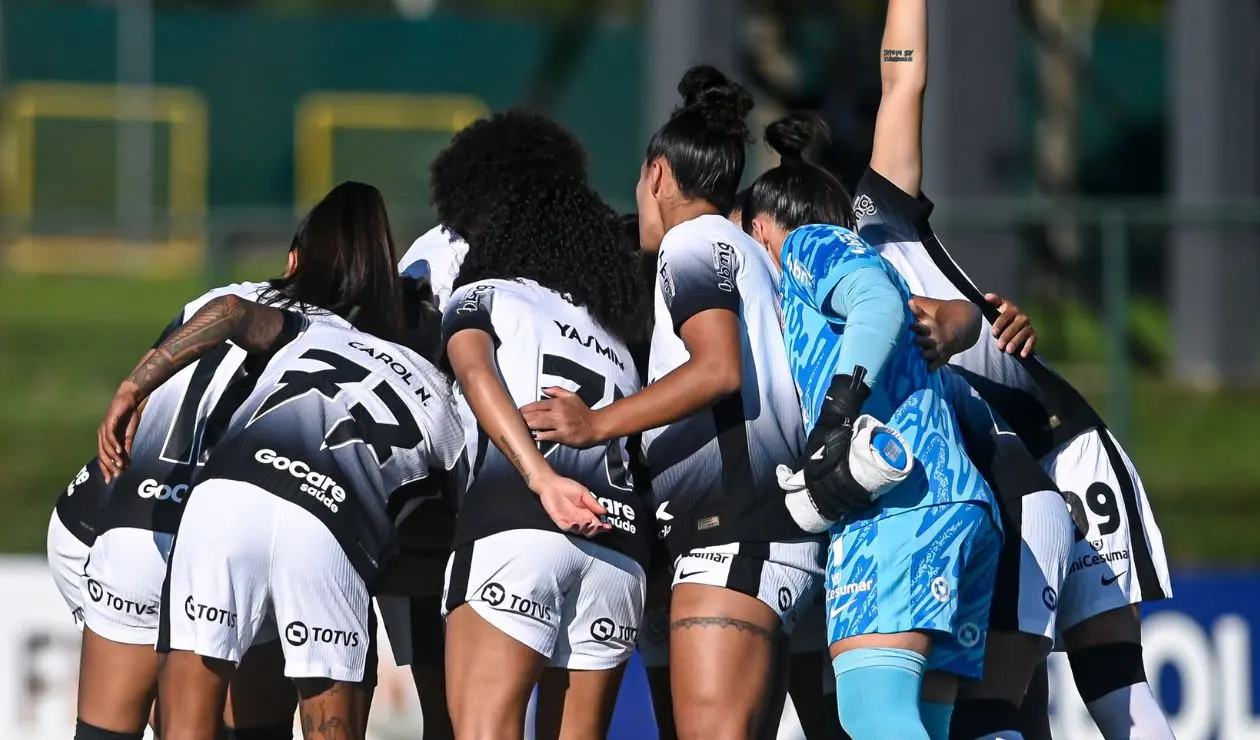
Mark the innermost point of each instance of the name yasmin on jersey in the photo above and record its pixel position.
(590, 342)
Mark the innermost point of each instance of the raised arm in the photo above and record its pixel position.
(252, 327)
(898, 150)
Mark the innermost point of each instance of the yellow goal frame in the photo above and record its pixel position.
(183, 109)
(320, 113)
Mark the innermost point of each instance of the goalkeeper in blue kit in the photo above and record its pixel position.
(910, 571)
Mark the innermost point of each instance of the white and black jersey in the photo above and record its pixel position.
(543, 340)
(713, 473)
(354, 429)
(1041, 407)
(181, 422)
(79, 505)
(437, 255)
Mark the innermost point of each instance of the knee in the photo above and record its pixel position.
(1102, 669)
(975, 718)
(704, 715)
(877, 693)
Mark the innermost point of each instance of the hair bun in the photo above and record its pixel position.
(721, 102)
(794, 134)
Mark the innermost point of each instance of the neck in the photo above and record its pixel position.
(687, 210)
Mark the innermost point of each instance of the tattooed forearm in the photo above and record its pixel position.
(723, 623)
(898, 55)
(250, 325)
(515, 457)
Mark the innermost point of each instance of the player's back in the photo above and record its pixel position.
(816, 258)
(339, 422)
(182, 420)
(542, 340)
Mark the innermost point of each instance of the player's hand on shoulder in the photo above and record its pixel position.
(936, 341)
(570, 505)
(827, 475)
(1013, 328)
(562, 417)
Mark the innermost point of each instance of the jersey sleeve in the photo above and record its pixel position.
(886, 214)
(817, 257)
(470, 307)
(696, 275)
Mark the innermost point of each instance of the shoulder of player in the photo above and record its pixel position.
(250, 291)
(878, 200)
(437, 245)
(470, 296)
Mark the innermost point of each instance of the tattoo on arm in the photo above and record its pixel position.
(251, 326)
(898, 55)
(721, 623)
(515, 457)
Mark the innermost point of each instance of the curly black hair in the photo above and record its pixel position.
(553, 229)
(468, 176)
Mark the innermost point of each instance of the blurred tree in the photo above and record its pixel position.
(1065, 36)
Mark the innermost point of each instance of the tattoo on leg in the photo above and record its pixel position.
(898, 55)
(723, 623)
(326, 727)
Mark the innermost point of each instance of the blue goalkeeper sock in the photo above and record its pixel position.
(877, 694)
(935, 718)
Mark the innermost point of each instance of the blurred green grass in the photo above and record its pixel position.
(65, 343)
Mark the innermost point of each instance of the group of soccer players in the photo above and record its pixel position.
(743, 432)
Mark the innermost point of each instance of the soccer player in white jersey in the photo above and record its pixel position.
(1118, 558)
(546, 582)
(469, 176)
(290, 528)
(121, 582)
(719, 414)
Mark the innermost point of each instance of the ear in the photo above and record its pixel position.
(657, 173)
(293, 263)
(761, 231)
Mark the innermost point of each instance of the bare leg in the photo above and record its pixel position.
(193, 693)
(117, 683)
(577, 705)
(489, 677)
(722, 662)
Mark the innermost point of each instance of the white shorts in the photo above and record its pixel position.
(1118, 557)
(67, 556)
(805, 618)
(248, 564)
(122, 584)
(577, 603)
(1032, 568)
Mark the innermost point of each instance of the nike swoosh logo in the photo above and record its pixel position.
(685, 576)
(837, 609)
(1108, 581)
(819, 454)
(663, 515)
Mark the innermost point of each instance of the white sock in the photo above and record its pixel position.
(1131, 713)
(1003, 735)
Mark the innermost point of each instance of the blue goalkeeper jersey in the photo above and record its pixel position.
(907, 397)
